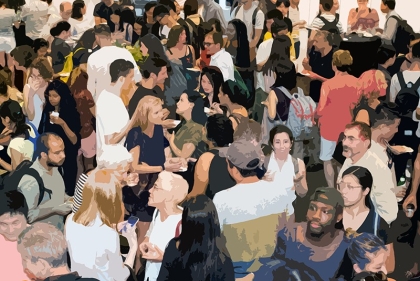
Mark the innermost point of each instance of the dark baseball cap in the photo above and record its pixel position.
(329, 196)
(244, 155)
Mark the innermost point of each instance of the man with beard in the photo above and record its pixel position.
(356, 148)
(49, 156)
(318, 244)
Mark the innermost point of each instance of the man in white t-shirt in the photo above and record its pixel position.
(169, 190)
(112, 121)
(35, 15)
(356, 144)
(99, 61)
(254, 23)
(219, 57)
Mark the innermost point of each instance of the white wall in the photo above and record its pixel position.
(407, 9)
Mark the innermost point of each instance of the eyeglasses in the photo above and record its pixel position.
(380, 276)
(207, 44)
(341, 185)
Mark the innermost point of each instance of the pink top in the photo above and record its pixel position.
(338, 98)
(11, 261)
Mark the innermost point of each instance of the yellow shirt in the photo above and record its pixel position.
(268, 35)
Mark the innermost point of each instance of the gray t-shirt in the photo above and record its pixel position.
(28, 186)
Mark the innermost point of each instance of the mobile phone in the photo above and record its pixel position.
(130, 222)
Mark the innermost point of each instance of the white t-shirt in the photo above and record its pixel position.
(409, 76)
(98, 68)
(246, 17)
(35, 14)
(318, 23)
(263, 53)
(160, 233)
(223, 60)
(294, 16)
(79, 27)
(111, 118)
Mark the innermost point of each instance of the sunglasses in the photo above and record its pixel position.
(380, 276)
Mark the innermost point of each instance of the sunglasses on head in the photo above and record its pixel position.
(380, 276)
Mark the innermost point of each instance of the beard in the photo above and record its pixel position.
(53, 164)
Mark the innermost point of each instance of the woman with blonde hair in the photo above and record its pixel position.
(92, 233)
(371, 85)
(339, 93)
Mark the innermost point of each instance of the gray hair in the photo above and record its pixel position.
(43, 241)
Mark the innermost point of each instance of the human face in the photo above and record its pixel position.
(321, 218)
(283, 9)
(36, 76)
(354, 143)
(282, 143)
(183, 105)
(11, 226)
(162, 20)
(66, 13)
(162, 75)
(158, 193)
(336, 6)
(137, 28)
(156, 114)
(230, 31)
(351, 190)
(42, 52)
(128, 80)
(224, 99)
(377, 261)
(362, 2)
(56, 155)
(54, 98)
(206, 85)
(295, 2)
(210, 46)
(144, 50)
(183, 37)
(320, 43)
(8, 123)
(384, 8)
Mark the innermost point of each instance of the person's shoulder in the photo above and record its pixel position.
(374, 161)
(99, 5)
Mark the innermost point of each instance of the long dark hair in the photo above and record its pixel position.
(279, 52)
(197, 114)
(117, 12)
(68, 111)
(13, 110)
(76, 11)
(215, 77)
(201, 243)
(242, 54)
(365, 179)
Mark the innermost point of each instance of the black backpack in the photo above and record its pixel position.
(408, 97)
(330, 26)
(403, 36)
(12, 180)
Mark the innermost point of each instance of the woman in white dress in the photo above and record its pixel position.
(288, 172)
(8, 19)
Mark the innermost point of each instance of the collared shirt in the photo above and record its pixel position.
(382, 194)
(98, 68)
(223, 60)
(390, 28)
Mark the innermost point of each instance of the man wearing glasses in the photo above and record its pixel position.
(213, 42)
(356, 148)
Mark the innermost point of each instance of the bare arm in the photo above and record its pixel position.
(69, 133)
(28, 102)
(272, 104)
(186, 151)
(390, 261)
(257, 36)
(201, 175)
(301, 184)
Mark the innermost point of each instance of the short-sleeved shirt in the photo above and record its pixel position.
(151, 149)
(321, 66)
(104, 12)
(190, 132)
(246, 17)
(22, 145)
(59, 51)
(319, 24)
(111, 118)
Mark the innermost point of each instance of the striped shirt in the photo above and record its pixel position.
(318, 23)
(77, 199)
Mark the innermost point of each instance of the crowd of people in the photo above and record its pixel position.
(180, 145)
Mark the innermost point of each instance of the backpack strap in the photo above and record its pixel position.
(295, 165)
(416, 85)
(157, 213)
(254, 16)
(376, 224)
(34, 173)
(178, 229)
(401, 80)
(324, 20)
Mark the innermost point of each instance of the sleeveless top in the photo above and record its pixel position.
(284, 178)
(364, 22)
(219, 177)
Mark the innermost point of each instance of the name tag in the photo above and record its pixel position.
(408, 133)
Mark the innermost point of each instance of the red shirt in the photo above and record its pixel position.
(338, 98)
(205, 59)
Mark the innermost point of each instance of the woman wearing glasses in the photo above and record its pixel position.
(359, 214)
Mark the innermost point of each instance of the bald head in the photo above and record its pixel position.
(65, 10)
(169, 188)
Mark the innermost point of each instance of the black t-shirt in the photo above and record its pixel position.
(104, 12)
(321, 66)
(139, 94)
